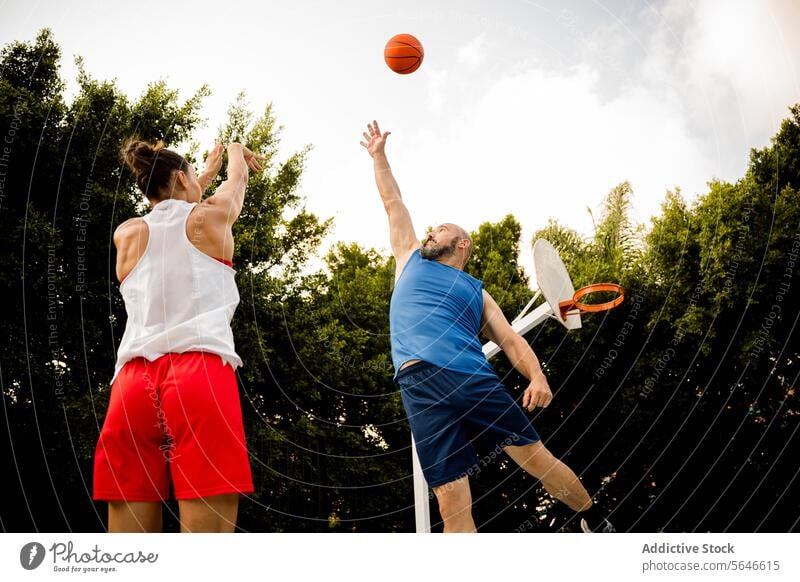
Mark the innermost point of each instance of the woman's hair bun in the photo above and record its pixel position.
(152, 164)
(139, 155)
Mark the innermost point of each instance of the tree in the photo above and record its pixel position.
(679, 409)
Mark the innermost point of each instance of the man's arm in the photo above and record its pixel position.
(495, 326)
(401, 231)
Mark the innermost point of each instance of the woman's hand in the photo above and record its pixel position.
(252, 159)
(213, 166)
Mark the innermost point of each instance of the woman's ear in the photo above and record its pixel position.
(183, 179)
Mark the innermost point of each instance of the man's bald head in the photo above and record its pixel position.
(463, 235)
(445, 241)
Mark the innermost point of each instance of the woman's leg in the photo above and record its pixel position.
(128, 462)
(209, 514)
(134, 517)
(208, 454)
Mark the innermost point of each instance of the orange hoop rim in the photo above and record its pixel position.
(576, 303)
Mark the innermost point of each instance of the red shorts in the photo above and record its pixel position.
(180, 417)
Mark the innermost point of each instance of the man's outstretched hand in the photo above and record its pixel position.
(375, 140)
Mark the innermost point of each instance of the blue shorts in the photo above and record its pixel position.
(448, 411)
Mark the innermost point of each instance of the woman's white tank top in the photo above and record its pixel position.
(178, 298)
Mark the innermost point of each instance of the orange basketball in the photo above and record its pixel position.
(403, 54)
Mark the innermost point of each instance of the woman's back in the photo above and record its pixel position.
(177, 297)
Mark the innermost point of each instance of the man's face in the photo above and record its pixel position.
(440, 242)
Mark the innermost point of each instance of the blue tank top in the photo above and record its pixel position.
(435, 316)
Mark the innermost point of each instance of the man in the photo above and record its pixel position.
(450, 392)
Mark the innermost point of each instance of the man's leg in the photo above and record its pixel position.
(455, 506)
(134, 516)
(558, 479)
(209, 514)
(560, 482)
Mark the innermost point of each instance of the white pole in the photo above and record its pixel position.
(422, 507)
(521, 326)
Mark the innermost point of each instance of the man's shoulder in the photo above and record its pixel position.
(403, 263)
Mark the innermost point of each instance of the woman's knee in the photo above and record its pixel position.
(209, 514)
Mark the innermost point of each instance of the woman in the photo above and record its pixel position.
(174, 414)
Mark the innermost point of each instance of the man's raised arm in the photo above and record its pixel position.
(401, 232)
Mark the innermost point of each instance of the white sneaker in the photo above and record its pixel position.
(606, 527)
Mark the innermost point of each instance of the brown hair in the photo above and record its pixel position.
(153, 165)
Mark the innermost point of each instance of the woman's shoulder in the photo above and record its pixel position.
(130, 228)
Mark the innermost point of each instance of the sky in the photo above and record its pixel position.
(536, 108)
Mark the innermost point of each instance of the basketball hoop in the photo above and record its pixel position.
(565, 307)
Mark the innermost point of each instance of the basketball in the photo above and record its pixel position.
(403, 53)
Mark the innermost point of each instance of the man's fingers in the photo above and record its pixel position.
(534, 398)
(377, 129)
(366, 137)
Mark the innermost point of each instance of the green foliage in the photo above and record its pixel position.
(495, 260)
(680, 397)
(677, 408)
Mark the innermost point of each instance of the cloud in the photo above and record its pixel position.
(437, 84)
(474, 52)
(732, 67)
(704, 85)
(745, 56)
(540, 144)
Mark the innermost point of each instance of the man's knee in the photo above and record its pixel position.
(534, 457)
(454, 498)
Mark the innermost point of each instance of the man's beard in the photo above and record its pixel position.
(432, 250)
